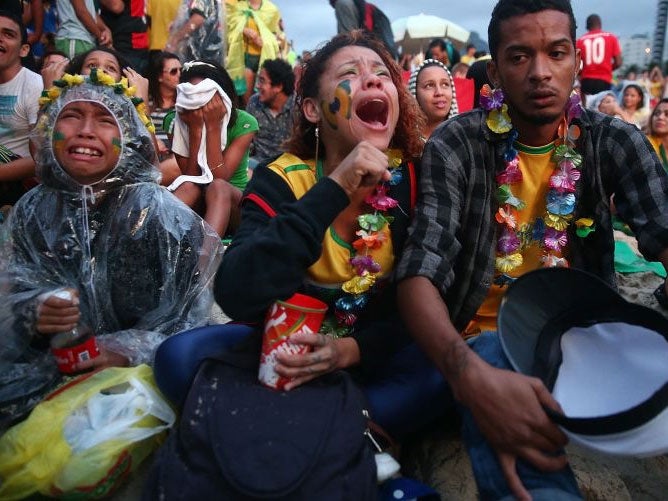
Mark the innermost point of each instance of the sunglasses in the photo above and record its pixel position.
(173, 71)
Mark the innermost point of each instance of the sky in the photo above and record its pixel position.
(310, 22)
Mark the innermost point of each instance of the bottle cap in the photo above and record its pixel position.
(64, 294)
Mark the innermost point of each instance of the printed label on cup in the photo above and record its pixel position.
(298, 314)
(67, 358)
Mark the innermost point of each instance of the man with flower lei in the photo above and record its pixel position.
(139, 263)
(523, 183)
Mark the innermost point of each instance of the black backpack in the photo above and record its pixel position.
(238, 440)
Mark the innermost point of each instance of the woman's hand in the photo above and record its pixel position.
(194, 119)
(57, 314)
(329, 354)
(138, 81)
(214, 111)
(105, 359)
(364, 166)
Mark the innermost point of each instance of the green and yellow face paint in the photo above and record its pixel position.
(116, 143)
(58, 140)
(340, 105)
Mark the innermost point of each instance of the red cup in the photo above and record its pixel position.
(300, 313)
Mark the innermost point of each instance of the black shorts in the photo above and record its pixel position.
(593, 86)
(252, 62)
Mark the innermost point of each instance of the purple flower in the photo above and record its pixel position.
(555, 239)
(491, 99)
(573, 108)
(364, 263)
(508, 242)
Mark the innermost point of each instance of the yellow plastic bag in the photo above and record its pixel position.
(86, 438)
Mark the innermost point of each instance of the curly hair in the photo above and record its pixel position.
(407, 132)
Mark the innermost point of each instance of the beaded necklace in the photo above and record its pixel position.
(551, 230)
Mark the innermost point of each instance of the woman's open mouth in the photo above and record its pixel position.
(373, 112)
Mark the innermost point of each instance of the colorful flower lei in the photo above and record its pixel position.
(98, 77)
(551, 230)
(373, 234)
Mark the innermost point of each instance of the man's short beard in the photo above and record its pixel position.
(538, 119)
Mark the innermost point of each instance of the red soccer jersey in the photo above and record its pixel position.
(598, 48)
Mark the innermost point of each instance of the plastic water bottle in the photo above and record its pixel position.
(73, 346)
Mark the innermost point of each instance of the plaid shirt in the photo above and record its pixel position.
(273, 129)
(453, 236)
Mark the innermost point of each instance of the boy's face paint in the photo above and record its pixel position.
(86, 141)
(116, 143)
(58, 140)
(340, 104)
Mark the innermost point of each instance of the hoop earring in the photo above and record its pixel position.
(317, 142)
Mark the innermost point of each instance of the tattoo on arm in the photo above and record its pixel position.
(456, 359)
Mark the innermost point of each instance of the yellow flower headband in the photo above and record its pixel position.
(98, 77)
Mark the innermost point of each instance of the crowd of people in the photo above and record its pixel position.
(406, 197)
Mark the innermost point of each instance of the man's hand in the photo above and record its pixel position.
(105, 39)
(364, 166)
(508, 409)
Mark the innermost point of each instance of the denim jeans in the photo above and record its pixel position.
(410, 392)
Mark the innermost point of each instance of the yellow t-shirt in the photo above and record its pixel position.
(536, 166)
(162, 13)
(333, 267)
(660, 150)
(250, 48)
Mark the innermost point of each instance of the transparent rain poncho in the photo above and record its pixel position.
(206, 42)
(142, 261)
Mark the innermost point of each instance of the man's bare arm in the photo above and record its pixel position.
(506, 406)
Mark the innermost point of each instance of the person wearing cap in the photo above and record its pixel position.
(432, 85)
(522, 183)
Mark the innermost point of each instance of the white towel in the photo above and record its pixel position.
(191, 97)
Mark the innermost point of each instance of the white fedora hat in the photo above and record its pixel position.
(605, 360)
